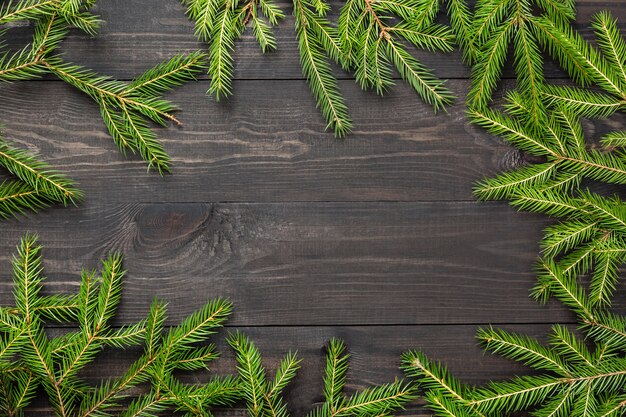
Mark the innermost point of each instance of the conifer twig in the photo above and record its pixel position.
(29, 358)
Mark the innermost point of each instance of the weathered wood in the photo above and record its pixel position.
(305, 263)
(374, 239)
(267, 144)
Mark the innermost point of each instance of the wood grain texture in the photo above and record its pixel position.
(374, 239)
(267, 144)
(305, 263)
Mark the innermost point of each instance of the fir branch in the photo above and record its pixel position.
(582, 374)
(58, 307)
(125, 107)
(380, 400)
(437, 380)
(337, 364)
(611, 43)
(17, 197)
(317, 70)
(605, 275)
(496, 25)
(583, 103)
(167, 75)
(202, 12)
(461, 23)
(581, 60)
(529, 68)
(372, 43)
(570, 348)
(27, 10)
(20, 65)
(264, 398)
(593, 224)
(369, 39)
(522, 349)
(222, 44)
(488, 68)
(46, 182)
(29, 358)
(562, 11)
(428, 87)
(262, 31)
(27, 272)
(252, 372)
(567, 235)
(220, 22)
(614, 139)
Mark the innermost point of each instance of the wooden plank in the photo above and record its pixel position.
(267, 144)
(383, 274)
(141, 33)
(375, 357)
(305, 263)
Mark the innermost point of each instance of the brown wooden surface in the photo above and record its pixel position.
(375, 238)
(307, 264)
(267, 144)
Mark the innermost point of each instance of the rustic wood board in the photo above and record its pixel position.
(267, 144)
(306, 263)
(375, 238)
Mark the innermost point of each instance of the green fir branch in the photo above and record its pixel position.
(125, 108)
(264, 396)
(370, 39)
(30, 359)
(581, 372)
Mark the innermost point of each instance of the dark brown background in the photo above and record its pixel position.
(375, 239)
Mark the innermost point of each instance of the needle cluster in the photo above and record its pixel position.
(129, 109)
(30, 359)
(264, 396)
(371, 38)
(37, 356)
(578, 372)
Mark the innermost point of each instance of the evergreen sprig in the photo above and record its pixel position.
(125, 107)
(220, 22)
(30, 359)
(370, 32)
(128, 109)
(591, 237)
(36, 184)
(264, 397)
(370, 38)
(316, 39)
(576, 373)
(32, 362)
(602, 66)
(500, 23)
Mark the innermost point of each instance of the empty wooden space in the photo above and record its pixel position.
(375, 238)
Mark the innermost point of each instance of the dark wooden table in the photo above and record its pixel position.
(375, 239)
